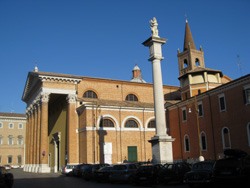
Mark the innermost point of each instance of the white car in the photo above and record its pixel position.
(67, 170)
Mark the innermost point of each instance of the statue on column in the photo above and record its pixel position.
(153, 25)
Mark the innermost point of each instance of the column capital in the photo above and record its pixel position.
(44, 97)
(71, 98)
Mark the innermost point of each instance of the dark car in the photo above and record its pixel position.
(234, 168)
(6, 178)
(174, 172)
(76, 171)
(200, 174)
(88, 172)
(147, 174)
(102, 174)
(122, 172)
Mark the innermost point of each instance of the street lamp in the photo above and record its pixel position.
(201, 158)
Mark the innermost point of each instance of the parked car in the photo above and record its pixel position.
(7, 167)
(102, 174)
(76, 171)
(200, 174)
(147, 174)
(88, 172)
(122, 172)
(234, 168)
(67, 169)
(174, 172)
(6, 178)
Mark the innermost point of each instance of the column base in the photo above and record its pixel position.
(162, 151)
(44, 168)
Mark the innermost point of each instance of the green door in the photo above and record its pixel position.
(132, 153)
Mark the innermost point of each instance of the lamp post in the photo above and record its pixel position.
(201, 158)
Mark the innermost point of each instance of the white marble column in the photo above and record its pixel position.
(161, 142)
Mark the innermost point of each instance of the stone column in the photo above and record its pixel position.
(44, 142)
(38, 134)
(72, 136)
(35, 165)
(31, 147)
(161, 142)
(27, 143)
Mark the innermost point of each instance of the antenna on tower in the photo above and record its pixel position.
(239, 64)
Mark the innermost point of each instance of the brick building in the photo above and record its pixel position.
(12, 137)
(213, 113)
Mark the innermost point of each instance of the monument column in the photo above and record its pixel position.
(44, 142)
(161, 142)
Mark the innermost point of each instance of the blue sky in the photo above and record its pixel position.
(103, 38)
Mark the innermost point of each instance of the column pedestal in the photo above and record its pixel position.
(162, 149)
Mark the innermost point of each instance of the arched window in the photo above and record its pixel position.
(186, 143)
(131, 97)
(197, 62)
(152, 124)
(90, 94)
(185, 64)
(203, 141)
(106, 123)
(226, 138)
(131, 124)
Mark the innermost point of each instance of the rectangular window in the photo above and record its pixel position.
(184, 114)
(11, 126)
(1, 125)
(246, 94)
(20, 126)
(222, 103)
(20, 141)
(1, 140)
(9, 159)
(10, 140)
(19, 159)
(200, 109)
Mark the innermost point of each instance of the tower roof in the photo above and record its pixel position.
(188, 39)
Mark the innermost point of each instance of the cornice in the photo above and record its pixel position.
(59, 79)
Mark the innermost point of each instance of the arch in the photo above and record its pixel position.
(197, 62)
(186, 143)
(110, 117)
(132, 118)
(90, 94)
(225, 134)
(147, 122)
(131, 97)
(151, 124)
(185, 63)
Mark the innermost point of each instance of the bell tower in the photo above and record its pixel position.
(194, 77)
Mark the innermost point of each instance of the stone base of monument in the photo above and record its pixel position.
(162, 149)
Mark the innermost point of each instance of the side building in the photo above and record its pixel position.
(12, 139)
(213, 112)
